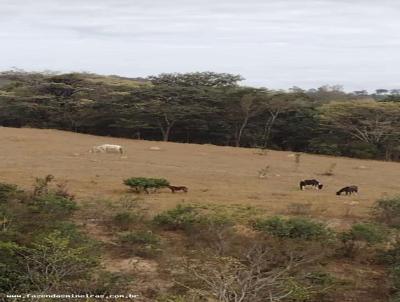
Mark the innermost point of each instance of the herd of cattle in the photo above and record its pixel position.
(107, 148)
(316, 184)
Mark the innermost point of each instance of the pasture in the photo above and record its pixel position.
(248, 183)
(213, 174)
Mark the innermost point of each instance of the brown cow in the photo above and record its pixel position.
(175, 188)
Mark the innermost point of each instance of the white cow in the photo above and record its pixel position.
(106, 148)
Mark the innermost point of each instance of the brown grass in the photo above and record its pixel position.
(219, 175)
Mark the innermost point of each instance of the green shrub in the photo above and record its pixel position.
(367, 232)
(53, 205)
(320, 278)
(41, 185)
(359, 237)
(143, 183)
(49, 263)
(391, 258)
(179, 218)
(6, 190)
(125, 220)
(387, 211)
(298, 292)
(139, 237)
(10, 267)
(103, 283)
(300, 228)
(140, 243)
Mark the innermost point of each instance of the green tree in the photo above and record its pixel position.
(239, 107)
(196, 79)
(163, 107)
(277, 103)
(371, 122)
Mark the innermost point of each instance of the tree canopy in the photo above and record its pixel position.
(206, 107)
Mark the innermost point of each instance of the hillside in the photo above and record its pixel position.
(218, 175)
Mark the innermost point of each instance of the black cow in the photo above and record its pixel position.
(348, 190)
(311, 182)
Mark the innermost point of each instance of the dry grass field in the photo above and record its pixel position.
(217, 176)
(214, 175)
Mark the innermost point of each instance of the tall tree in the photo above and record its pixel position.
(240, 105)
(376, 123)
(164, 106)
(276, 103)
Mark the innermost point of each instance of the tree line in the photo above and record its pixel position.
(206, 107)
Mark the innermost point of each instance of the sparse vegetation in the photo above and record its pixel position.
(6, 190)
(182, 217)
(139, 237)
(126, 220)
(297, 161)
(218, 256)
(330, 170)
(42, 251)
(143, 243)
(387, 211)
(301, 209)
(360, 236)
(262, 173)
(155, 255)
(296, 228)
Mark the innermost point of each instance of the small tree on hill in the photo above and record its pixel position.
(196, 79)
(143, 183)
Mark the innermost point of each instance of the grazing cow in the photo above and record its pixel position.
(348, 190)
(106, 148)
(181, 188)
(311, 182)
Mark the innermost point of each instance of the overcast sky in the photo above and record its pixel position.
(272, 43)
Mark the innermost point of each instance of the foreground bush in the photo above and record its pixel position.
(126, 220)
(361, 236)
(6, 190)
(53, 205)
(41, 249)
(259, 272)
(368, 232)
(387, 211)
(46, 265)
(140, 184)
(179, 218)
(391, 258)
(139, 237)
(141, 243)
(300, 228)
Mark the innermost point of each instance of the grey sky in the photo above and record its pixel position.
(272, 43)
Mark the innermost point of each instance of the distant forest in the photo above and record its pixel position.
(206, 108)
